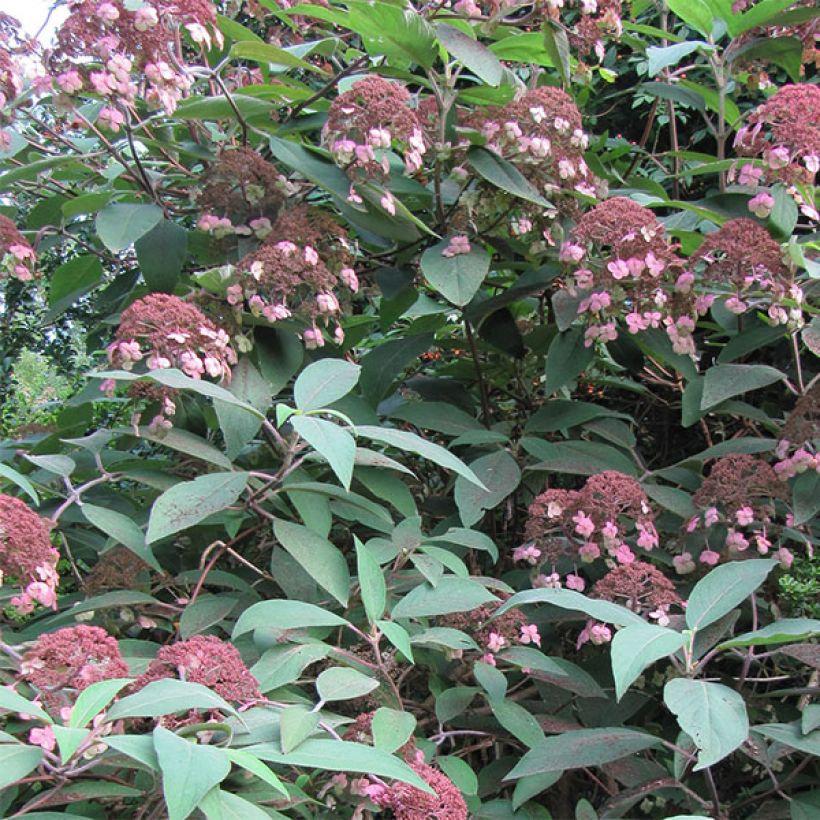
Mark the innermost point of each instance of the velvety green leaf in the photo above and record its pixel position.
(238, 426)
(317, 556)
(57, 464)
(791, 734)
(446, 637)
(497, 171)
(205, 612)
(635, 647)
(518, 721)
(787, 630)
(92, 700)
(523, 47)
(331, 441)
(20, 480)
(724, 588)
(499, 473)
(270, 54)
(454, 701)
(384, 364)
(559, 672)
(343, 683)
(581, 748)
(666, 56)
(282, 665)
(806, 497)
(221, 805)
(471, 53)
(457, 278)
(161, 253)
(491, 680)
(324, 382)
(398, 636)
(577, 457)
(69, 739)
(122, 529)
(74, 278)
(165, 697)
(452, 594)
(371, 582)
(695, 13)
(119, 225)
(10, 701)
(188, 503)
(459, 772)
(402, 35)
(569, 599)
(189, 771)
(391, 729)
(255, 766)
(724, 381)
(713, 715)
(566, 359)
(671, 498)
(785, 52)
(437, 416)
(296, 723)
(16, 761)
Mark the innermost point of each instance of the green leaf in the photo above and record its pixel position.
(559, 672)
(10, 701)
(806, 497)
(437, 416)
(398, 636)
(499, 473)
(122, 529)
(189, 771)
(270, 54)
(238, 426)
(385, 363)
(189, 502)
(567, 358)
(221, 805)
(137, 747)
(518, 721)
(471, 53)
(296, 724)
(392, 729)
(497, 171)
(57, 464)
(10, 474)
(317, 556)
(205, 612)
(73, 279)
(577, 457)
(723, 589)
(164, 697)
(661, 58)
(637, 646)
(454, 701)
(491, 680)
(331, 441)
(255, 766)
(16, 761)
(791, 734)
(342, 756)
(184, 441)
(811, 718)
(786, 52)
(69, 740)
(402, 35)
(371, 582)
(757, 16)
(457, 278)
(452, 594)
(581, 748)
(723, 381)
(695, 13)
(410, 442)
(713, 715)
(92, 700)
(119, 225)
(283, 664)
(161, 253)
(445, 636)
(284, 615)
(524, 47)
(569, 599)
(324, 382)
(787, 630)
(783, 217)
(344, 683)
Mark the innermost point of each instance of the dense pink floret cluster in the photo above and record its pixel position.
(298, 269)
(63, 663)
(140, 51)
(17, 257)
(27, 558)
(409, 803)
(10, 77)
(585, 525)
(207, 660)
(797, 448)
(785, 133)
(366, 122)
(742, 257)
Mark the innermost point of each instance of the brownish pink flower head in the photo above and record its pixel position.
(638, 586)
(207, 660)
(17, 257)
(170, 332)
(10, 70)
(409, 803)
(27, 558)
(740, 480)
(72, 659)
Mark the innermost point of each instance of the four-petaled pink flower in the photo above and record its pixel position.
(529, 634)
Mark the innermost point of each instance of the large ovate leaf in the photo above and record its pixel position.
(473, 54)
(121, 224)
(331, 441)
(324, 382)
(724, 381)
(165, 697)
(16, 761)
(635, 647)
(499, 473)
(457, 278)
(713, 715)
(190, 502)
(342, 683)
(451, 594)
(569, 599)
(504, 175)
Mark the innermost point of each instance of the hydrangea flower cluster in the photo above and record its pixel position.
(541, 134)
(598, 18)
(640, 587)
(742, 257)
(785, 133)
(17, 257)
(63, 663)
(244, 188)
(298, 268)
(497, 634)
(207, 660)
(737, 500)
(571, 526)
(11, 83)
(138, 47)
(27, 558)
(628, 271)
(797, 447)
(366, 122)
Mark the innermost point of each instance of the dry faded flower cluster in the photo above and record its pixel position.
(27, 558)
(364, 124)
(797, 447)
(304, 260)
(139, 48)
(17, 257)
